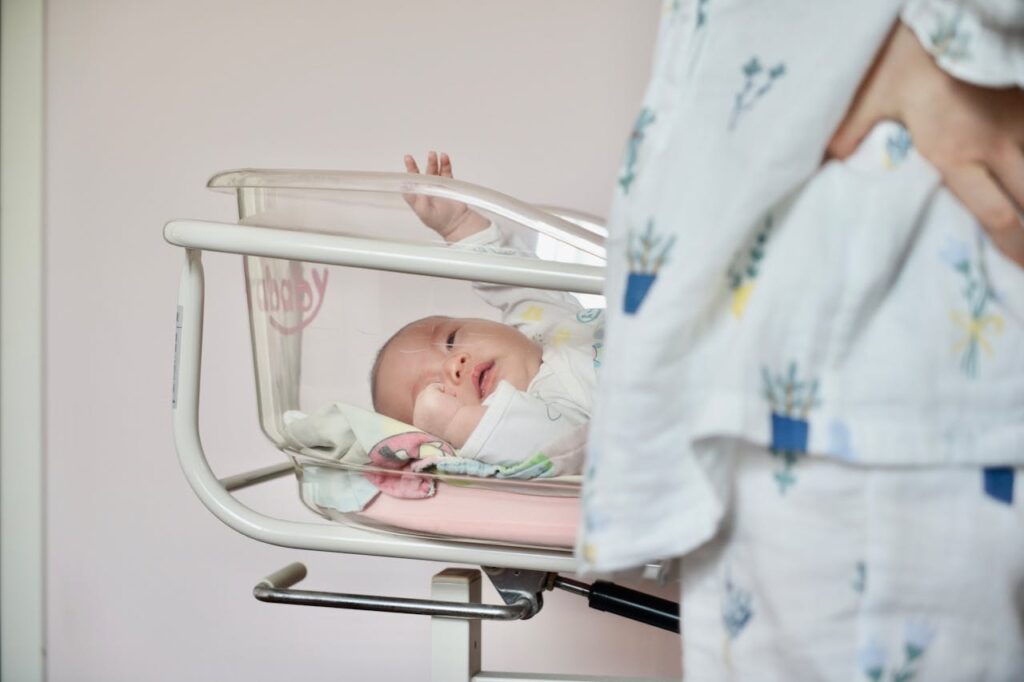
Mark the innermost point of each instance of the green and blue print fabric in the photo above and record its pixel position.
(791, 400)
(745, 266)
(636, 139)
(759, 294)
(757, 81)
(648, 252)
(974, 321)
(875, 663)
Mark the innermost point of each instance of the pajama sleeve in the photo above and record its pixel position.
(978, 41)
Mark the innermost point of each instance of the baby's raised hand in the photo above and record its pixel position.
(451, 219)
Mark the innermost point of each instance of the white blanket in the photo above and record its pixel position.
(349, 455)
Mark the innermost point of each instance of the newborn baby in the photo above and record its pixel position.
(495, 391)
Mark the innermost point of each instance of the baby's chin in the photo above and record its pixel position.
(521, 380)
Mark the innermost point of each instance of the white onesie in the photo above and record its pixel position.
(559, 399)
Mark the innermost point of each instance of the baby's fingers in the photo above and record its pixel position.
(410, 164)
(983, 197)
(446, 165)
(432, 163)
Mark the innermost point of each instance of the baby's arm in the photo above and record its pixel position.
(534, 312)
(442, 415)
(453, 220)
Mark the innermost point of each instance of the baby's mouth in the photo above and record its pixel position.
(482, 378)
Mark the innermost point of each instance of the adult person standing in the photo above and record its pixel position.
(813, 389)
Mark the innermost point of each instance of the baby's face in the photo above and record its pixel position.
(469, 356)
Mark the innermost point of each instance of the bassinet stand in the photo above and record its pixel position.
(519, 574)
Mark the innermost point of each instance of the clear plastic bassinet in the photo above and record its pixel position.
(316, 328)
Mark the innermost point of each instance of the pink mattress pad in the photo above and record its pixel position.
(482, 514)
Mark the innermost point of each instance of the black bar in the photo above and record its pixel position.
(646, 608)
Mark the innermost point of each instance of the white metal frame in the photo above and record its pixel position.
(456, 644)
(196, 236)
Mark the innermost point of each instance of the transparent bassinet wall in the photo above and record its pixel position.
(316, 329)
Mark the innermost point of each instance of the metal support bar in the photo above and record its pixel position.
(275, 589)
(622, 601)
(455, 643)
(248, 478)
(374, 254)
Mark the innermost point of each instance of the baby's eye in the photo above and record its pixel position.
(450, 342)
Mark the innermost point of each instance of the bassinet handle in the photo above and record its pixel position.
(579, 230)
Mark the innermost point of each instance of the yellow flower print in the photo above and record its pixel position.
(739, 299)
(745, 267)
(533, 314)
(975, 328)
(561, 336)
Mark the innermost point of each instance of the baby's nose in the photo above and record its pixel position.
(457, 367)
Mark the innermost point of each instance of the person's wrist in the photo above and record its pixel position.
(913, 81)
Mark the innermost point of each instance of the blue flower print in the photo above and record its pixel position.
(897, 146)
(997, 483)
(955, 253)
(917, 637)
(872, 660)
(840, 443)
(949, 40)
(636, 139)
(860, 577)
(790, 399)
(736, 608)
(756, 83)
(975, 326)
(647, 253)
(702, 13)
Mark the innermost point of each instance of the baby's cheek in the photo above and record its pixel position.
(467, 396)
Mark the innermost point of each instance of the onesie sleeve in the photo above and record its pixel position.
(977, 41)
(516, 425)
(533, 311)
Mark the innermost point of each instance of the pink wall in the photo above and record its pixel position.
(144, 102)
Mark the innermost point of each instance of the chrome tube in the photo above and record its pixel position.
(275, 589)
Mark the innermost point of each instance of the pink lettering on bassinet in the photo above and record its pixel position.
(290, 301)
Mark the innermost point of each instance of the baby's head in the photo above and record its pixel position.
(469, 356)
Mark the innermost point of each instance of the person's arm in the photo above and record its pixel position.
(971, 134)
